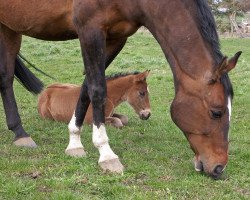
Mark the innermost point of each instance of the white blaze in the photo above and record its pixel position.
(229, 106)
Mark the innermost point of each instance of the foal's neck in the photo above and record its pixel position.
(118, 88)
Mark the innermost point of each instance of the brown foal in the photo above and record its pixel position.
(58, 101)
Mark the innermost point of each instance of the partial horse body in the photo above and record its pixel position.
(187, 34)
(58, 101)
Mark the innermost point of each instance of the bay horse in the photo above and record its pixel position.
(186, 32)
(58, 101)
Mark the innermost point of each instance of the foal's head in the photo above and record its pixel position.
(138, 97)
(201, 109)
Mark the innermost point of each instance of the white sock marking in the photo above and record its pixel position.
(100, 140)
(74, 135)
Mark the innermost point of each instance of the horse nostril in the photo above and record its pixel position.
(217, 171)
(216, 114)
(145, 116)
(149, 114)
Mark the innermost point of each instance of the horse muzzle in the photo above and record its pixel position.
(145, 114)
(215, 173)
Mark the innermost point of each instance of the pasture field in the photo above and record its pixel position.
(155, 153)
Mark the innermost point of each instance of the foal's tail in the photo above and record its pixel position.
(27, 78)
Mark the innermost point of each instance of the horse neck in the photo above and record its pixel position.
(180, 39)
(118, 89)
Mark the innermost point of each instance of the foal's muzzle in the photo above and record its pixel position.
(145, 114)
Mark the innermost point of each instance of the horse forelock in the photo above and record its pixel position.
(207, 27)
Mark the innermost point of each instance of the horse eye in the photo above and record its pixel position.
(212, 81)
(142, 94)
(216, 114)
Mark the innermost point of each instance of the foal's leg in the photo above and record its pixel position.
(109, 119)
(113, 121)
(123, 118)
(9, 47)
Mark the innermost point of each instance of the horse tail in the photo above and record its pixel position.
(27, 78)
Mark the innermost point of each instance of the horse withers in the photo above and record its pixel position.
(58, 101)
(186, 32)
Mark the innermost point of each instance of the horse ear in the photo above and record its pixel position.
(221, 69)
(232, 62)
(142, 76)
(226, 65)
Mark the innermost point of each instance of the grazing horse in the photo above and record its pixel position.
(187, 34)
(58, 101)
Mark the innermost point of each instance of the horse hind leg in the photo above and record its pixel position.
(75, 147)
(9, 47)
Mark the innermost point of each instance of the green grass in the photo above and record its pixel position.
(155, 153)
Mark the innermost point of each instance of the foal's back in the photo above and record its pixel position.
(58, 101)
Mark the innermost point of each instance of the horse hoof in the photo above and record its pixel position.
(77, 152)
(25, 142)
(113, 166)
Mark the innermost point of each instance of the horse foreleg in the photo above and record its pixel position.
(9, 47)
(93, 47)
(112, 50)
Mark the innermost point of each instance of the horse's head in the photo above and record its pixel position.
(138, 96)
(201, 109)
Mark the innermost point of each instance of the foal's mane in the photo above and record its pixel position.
(119, 75)
(206, 23)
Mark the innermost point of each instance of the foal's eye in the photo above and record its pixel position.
(142, 94)
(212, 81)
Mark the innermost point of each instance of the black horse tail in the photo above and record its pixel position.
(27, 78)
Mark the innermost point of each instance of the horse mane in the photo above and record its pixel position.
(118, 75)
(207, 26)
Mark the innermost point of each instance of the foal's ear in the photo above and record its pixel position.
(227, 65)
(142, 76)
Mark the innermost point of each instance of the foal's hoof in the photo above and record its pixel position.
(117, 123)
(124, 120)
(113, 166)
(25, 142)
(77, 152)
